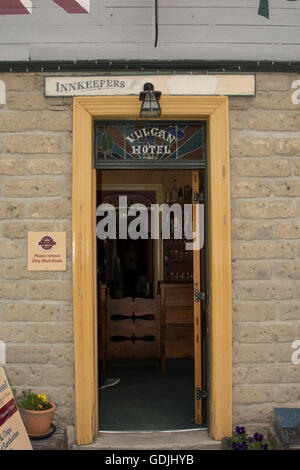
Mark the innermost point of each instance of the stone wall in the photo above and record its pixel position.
(265, 188)
(35, 195)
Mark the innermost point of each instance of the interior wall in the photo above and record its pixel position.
(164, 177)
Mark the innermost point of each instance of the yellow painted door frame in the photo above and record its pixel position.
(214, 109)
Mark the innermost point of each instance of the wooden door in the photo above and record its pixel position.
(198, 299)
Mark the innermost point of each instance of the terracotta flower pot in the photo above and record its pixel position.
(37, 423)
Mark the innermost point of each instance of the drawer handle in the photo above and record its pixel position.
(133, 317)
(133, 338)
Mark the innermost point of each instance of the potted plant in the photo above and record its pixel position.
(37, 413)
(240, 440)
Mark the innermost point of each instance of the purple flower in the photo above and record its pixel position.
(240, 430)
(235, 445)
(258, 437)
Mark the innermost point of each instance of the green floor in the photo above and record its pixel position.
(147, 399)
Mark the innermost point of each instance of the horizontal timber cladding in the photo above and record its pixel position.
(187, 30)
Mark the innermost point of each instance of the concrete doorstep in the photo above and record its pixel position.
(158, 440)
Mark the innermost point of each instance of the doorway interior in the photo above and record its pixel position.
(214, 109)
(146, 309)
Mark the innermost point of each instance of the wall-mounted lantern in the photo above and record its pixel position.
(150, 102)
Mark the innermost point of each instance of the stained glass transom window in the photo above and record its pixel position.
(134, 142)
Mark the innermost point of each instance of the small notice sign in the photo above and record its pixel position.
(13, 435)
(46, 251)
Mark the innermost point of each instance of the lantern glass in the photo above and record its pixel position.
(150, 102)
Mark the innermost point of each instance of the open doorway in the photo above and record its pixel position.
(146, 309)
(214, 109)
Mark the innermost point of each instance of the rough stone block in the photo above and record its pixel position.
(59, 376)
(238, 103)
(31, 144)
(28, 354)
(18, 122)
(251, 270)
(11, 210)
(23, 81)
(236, 120)
(270, 121)
(263, 290)
(273, 82)
(253, 311)
(56, 209)
(287, 269)
(288, 229)
(50, 290)
(287, 147)
(19, 270)
(266, 332)
(12, 290)
(13, 333)
(241, 230)
(32, 312)
(26, 101)
(51, 166)
(264, 250)
(11, 249)
(267, 210)
(56, 121)
(20, 229)
(32, 188)
(287, 188)
(12, 166)
(264, 374)
(250, 147)
(252, 394)
(289, 310)
(288, 394)
(254, 353)
(274, 100)
(263, 167)
(241, 188)
(51, 333)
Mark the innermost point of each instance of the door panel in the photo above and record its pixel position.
(197, 305)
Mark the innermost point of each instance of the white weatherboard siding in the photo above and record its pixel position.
(124, 30)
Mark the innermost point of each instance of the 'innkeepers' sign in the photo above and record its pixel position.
(184, 84)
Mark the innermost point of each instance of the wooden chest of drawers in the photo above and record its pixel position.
(162, 327)
(177, 320)
(133, 328)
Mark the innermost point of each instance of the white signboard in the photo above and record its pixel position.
(13, 435)
(2, 92)
(184, 84)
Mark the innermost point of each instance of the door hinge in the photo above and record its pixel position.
(198, 197)
(199, 295)
(200, 393)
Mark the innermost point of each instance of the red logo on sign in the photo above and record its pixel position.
(7, 410)
(47, 242)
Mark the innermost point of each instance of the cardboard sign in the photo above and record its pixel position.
(46, 251)
(238, 84)
(13, 435)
